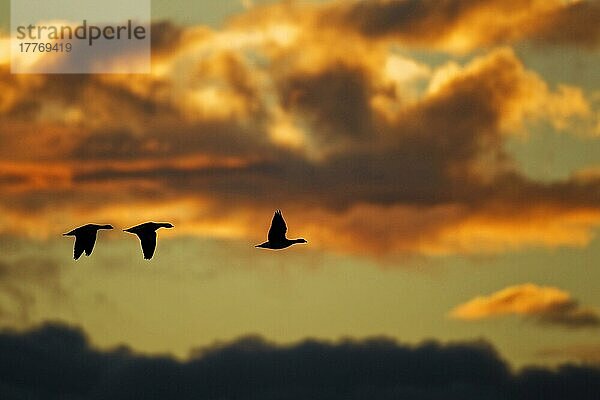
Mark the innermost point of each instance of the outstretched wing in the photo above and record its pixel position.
(148, 240)
(278, 228)
(78, 248)
(90, 240)
(84, 241)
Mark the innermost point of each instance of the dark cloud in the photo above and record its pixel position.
(55, 361)
(571, 315)
(575, 24)
(335, 100)
(165, 37)
(435, 22)
(413, 19)
(208, 138)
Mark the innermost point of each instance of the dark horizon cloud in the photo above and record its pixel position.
(55, 361)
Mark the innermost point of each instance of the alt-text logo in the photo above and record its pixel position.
(89, 33)
(80, 36)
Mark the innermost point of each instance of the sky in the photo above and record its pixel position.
(442, 158)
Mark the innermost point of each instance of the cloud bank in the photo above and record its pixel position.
(55, 361)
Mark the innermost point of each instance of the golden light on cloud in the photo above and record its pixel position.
(523, 299)
(29, 176)
(540, 228)
(277, 98)
(550, 304)
(444, 230)
(400, 69)
(530, 98)
(285, 131)
(442, 75)
(4, 51)
(212, 102)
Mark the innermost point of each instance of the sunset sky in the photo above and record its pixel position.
(442, 158)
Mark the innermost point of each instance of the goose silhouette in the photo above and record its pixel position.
(85, 238)
(276, 238)
(146, 232)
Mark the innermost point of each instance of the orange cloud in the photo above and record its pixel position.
(374, 154)
(548, 304)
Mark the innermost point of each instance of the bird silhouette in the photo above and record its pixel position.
(146, 232)
(276, 238)
(85, 238)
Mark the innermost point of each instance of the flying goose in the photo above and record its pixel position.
(147, 234)
(85, 238)
(276, 238)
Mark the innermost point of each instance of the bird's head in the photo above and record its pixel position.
(301, 240)
(107, 226)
